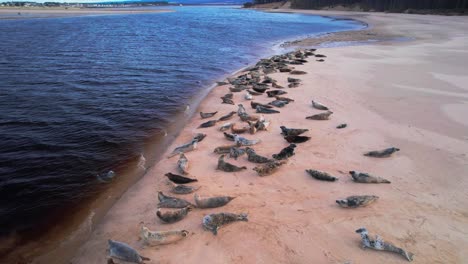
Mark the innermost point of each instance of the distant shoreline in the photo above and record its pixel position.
(51, 12)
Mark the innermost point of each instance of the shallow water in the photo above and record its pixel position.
(80, 96)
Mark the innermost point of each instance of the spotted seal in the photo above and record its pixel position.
(208, 124)
(171, 202)
(156, 238)
(379, 244)
(255, 158)
(382, 153)
(183, 164)
(123, 251)
(297, 72)
(224, 149)
(296, 139)
(170, 217)
(322, 116)
(367, 178)
(225, 126)
(212, 202)
(207, 115)
(241, 141)
(292, 131)
(285, 153)
(269, 167)
(213, 222)
(179, 179)
(228, 167)
(184, 148)
(357, 201)
(320, 175)
(227, 116)
(318, 105)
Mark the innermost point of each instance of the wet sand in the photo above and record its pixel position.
(412, 95)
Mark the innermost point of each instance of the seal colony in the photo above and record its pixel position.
(252, 82)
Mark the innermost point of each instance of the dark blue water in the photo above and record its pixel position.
(80, 96)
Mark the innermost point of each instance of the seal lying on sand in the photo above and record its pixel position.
(284, 99)
(178, 178)
(320, 175)
(255, 158)
(292, 131)
(199, 137)
(318, 105)
(293, 80)
(206, 115)
(278, 103)
(183, 164)
(239, 130)
(212, 202)
(183, 189)
(184, 148)
(285, 153)
(275, 93)
(240, 141)
(153, 238)
(367, 178)
(254, 105)
(173, 216)
(357, 201)
(380, 244)
(227, 117)
(123, 251)
(225, 127)
(248, 96)
(296, 139)
(269, 167)
(236, 152)
(253, 92)
(264, 110)
(208, 124)
(340, 126)
(227, 100)
(322, 116)
(224, 149)
(213, 222)
(382, 153)
(228, 167)
(171, 202)
(229, 137)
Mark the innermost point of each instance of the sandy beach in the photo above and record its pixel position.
(50, 12)
(409, 94)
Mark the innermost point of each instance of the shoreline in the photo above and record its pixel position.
(283, 194)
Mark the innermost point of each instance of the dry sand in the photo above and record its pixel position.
(412, 95)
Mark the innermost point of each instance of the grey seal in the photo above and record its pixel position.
(228, 167)
(183, 164)
(170, 217)
(227, 117)
(279, 103)
(367, 178)
(184, 148)
(318, 105)
(269, 167)
(183, 189)
(292, 131)
(229, 136)
(206, 115)
(284, 99)
(227, 101)
(322, 116)
(241, 141)
(254, 105)
(255, 158)
(275, 93)
(239, 130)
(320, 175)
(285, 153)
(171, 202)
(294, 85)
(293, 80)
(236, 152)
(208, 124)
(357, 201)
(224, 149)
(156, 238)
(123, 251)
(225, 127)
(253, 92)
(379, 244)
(264, 110)
(297, 72)
(213, 222)
(212, 202)
(296, 139)
(340, 126)
(382, 153)
(199, 137)
(179, 179)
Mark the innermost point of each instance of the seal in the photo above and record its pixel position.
(225, 127)
(122, 251)
(206, 115)
(320, 56)
(183, 164)
(235, 89)
(367, 178)
(382, 153)
(340, 126)
(184, 148)
(322, 116)
(296, 72)
(248, 96)
(171, 202)
(183, 189)
(228, 136)
(255, 158)
(254, 105)
(277, 86)
(275, 93)
(212, 202)
(318, 106)
(264, 110)
(240, 141)
(199, 137)
(285, 153)
(227, 101)
(241, 110)
(227, 117)
(224, 149)
(253, 92)
(320, 175)
(294, 85)
(228, 96)
(173, 216)
(279, 103)
(153, 238)
(228, 167)
(296, 139)
(247, 117)
(293, 80)
(281, 98)
(262, 125)
(213, 222)
(379, 244)
(252, 127)
(237, 130)
(357, 201)
(292, 131)
(208, 124)
(236, 152)
(179, 179)
(321, 60)
(269, 167)
(259, 89)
